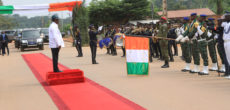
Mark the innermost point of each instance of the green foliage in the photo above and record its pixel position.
(80, 18)
(118, 11)
(136, 9)
(5, 23)
(105, 12)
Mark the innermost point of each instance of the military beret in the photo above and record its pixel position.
(192, 14)
(211, 19)
(91, 25)
(164, 18)
(203, 15)
(186, 18)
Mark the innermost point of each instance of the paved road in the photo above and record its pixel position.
(163, 89)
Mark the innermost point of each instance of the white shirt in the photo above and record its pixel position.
(226, 27)
(55, 37)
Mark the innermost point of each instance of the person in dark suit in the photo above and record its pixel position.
(4, 43)
(172, 43)
(93, 42)
(78, 41)
(0, 46)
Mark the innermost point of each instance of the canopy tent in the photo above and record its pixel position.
(65, 6)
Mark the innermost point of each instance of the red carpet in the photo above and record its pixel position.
(79, 96)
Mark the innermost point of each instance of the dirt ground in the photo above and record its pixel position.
(162, 89)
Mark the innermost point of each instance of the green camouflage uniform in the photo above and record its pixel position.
(186, 53)
(192, 48)
(163, 30)
(212, 47)
(202, 44)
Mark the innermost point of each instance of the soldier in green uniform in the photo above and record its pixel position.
(163, 29)
(212, 44)
(190, 44)
(202, 43)
(186, 45)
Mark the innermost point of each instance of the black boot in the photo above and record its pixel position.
(161, 58)
(150, 59)
(108, 51)
(166, 65)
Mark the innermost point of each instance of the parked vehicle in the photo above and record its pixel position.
(30, 39)
(45, 34)
(11, 35)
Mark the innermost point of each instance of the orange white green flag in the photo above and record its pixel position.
(137, 55)
(39, 8)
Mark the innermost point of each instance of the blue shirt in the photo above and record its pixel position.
(3, 36)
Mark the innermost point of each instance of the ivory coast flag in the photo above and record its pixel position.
(137, 55)
(39, 8)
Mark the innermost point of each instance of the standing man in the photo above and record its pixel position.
(186, 45)
(4, 43)
(0, 46)
(164, 43)
(191, 45)
(226, 37)
(55, 41)
(202, 44)
(149, 32)
(78, 41)
(212, 44)
(93, 43)
(220, 46)
(172, 43)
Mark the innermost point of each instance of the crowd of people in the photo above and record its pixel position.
(198, 36)
(4, 44)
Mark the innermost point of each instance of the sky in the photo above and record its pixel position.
(63, 14)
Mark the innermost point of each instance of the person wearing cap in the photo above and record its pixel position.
(171, 43)
(163, 30)
(4, 43)
(186, 45)
(110, 34)
(78, 41)
(93, 42)
(212, 44)
(202, 44)
(226, 38)
(192, 44)
(148, 32)
(55, 41)
(220, 46)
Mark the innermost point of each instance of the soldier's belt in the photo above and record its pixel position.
(201, 40)
(210, 40)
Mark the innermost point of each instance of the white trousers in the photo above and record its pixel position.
(227, 50)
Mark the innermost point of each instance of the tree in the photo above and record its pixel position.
(106, 12)
(219, 6)
(136, 9)
(80, 18)
(4, 22)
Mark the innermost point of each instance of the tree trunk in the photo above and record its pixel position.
(219, 7)
(165, 12)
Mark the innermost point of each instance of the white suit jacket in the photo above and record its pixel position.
(55, 37)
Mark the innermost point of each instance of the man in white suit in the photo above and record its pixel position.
(55, 41)
(226, 37)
